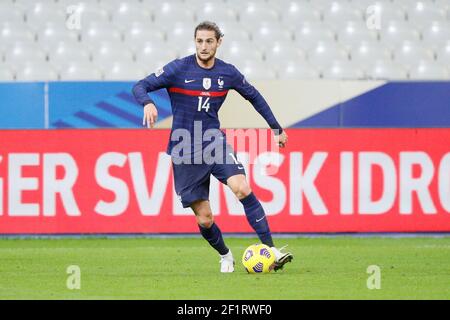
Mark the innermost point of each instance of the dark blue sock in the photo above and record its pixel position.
(257, 218)
(214, 236)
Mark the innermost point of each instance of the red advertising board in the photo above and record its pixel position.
(325, 180)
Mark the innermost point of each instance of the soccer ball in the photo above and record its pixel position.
(258, 258)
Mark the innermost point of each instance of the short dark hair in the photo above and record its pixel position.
(208, 25)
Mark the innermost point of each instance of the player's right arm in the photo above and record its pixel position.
(162, 78)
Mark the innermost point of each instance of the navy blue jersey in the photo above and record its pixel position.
(196, 93)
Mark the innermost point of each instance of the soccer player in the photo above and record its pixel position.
(197, 86)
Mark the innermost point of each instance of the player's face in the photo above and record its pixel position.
(206, 44)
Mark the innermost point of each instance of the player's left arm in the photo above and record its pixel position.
(250, 93)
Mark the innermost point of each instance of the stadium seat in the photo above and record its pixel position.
(353, 33)
(38, 14)
(426, 70)
(74, 71)
(216, 12)
(421, 13)
(122, 71)
(386, 70)
(409, 53)
(138, 34)
(435, 34)
(338, 14)
(6, 74)
(282, 51)
(252, 13)
(253, 70)
(36, 72)
(237, 51)
(266, 34)
(12, 33)
(323, 53)
(294, 13)
(113, 5)
(309, 34)
(169, 12)
(443, 53)
(63, 52)
(10, 14)
(21, 53)
(394, 32)
(96, 33)
(342, 70)
(107, 54)
(367, 52)
(126, 14)
(52, 34)
(233, 32)
(297, 70)
(152, 55)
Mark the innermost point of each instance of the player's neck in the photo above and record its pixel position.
(206, 64)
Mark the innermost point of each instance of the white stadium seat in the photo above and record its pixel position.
(63, 52)
(13, 33)
(394, 32)
(180, 33)
(216, 12)
(354, 33)
(342, 70)
(169, 12)
(294, 13)
(127, 14)
(338, 14)
(122, 71)
(386, 70)
(113, 5)
(6, 74)
(139, 33)
(283, 51)
(96, 33)
(309, 34)
(435, 34)
(152, 55)
(266, 33)
(297, 70)
(10, 14)
(422, 12)
(74, 71)
(324, 53)
(252, 14)
(408, 53)
(245, 51)
(38, 14)
(107, 54)
(426, 70)
(367, 52)
(253, 70)
(36, 72)
(443, 53)
(23, 53)
(233, 32)
(52, 34)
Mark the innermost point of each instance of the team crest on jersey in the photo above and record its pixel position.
(206, 83)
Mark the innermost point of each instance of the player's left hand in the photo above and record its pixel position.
(281, 139)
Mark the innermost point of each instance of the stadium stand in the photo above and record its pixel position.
(285, 38)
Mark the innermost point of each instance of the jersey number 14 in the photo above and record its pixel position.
(203, 104)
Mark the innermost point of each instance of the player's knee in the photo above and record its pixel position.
(206, 220)
(242, 190)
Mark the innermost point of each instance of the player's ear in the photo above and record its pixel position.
(219, 42)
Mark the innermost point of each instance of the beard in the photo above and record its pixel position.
(206, 59)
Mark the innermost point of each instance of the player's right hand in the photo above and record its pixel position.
(150, 115)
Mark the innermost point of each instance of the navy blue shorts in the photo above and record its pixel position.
(192, 180)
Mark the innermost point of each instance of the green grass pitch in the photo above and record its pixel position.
(188, 269)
